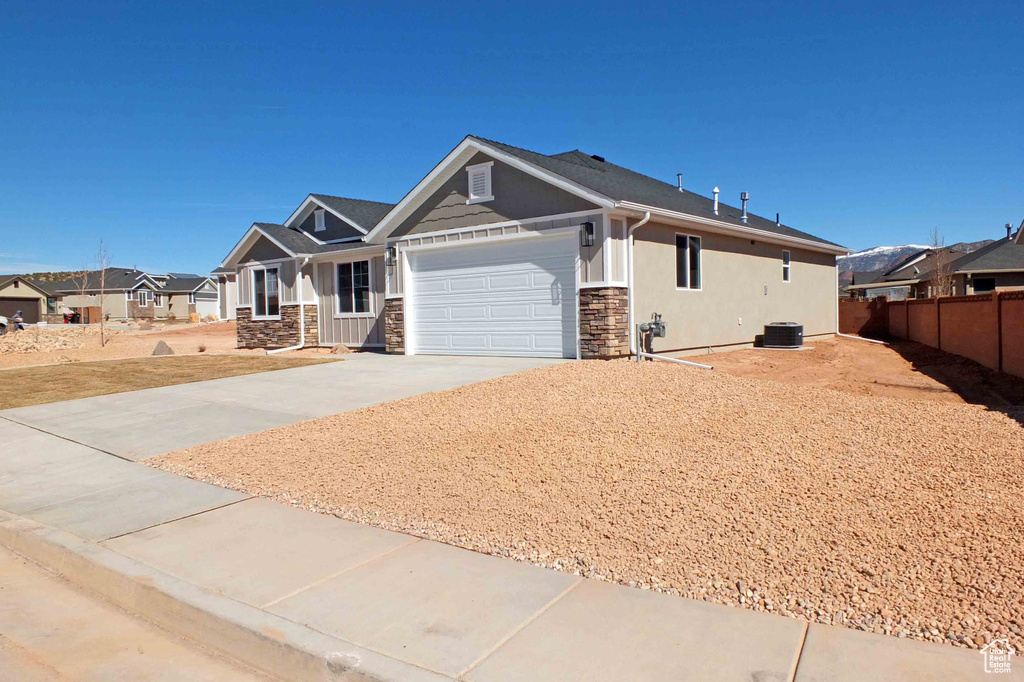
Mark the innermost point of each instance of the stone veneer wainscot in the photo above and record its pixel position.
(277, 333)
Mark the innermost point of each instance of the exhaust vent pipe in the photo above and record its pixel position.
(715, 192)
(744, 198)
(777, 223)
(679, 181)
(1009, 230)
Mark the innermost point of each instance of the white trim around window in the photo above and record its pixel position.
(691, 266)
(158, 300)
(358, 275)
(479, 183)
(143, 298)
(191, 298)
(787, 273)
(270, 299)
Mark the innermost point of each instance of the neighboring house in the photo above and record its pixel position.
(227, 291)
(863, 277)
(37, 301)
(128, 293)
(503, 251)
(999, 265)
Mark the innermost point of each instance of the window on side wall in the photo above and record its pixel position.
(688, 262)
(480, 183)
(191, 297)
(143, 297)
(354, 287)
(157, 300)
(785, 266)
(51, 306)
(984, 284)
(266, 298)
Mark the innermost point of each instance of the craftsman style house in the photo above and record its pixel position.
(503, 251)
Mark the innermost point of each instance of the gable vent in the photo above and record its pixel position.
(480, 182)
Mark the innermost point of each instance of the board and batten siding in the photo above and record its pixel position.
(591, 258)
(353, 331)
(286, 282)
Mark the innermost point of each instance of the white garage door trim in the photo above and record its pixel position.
(409, 277)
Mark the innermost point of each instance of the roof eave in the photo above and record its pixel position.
(746, 231)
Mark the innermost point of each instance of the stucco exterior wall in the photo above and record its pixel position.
(31, 297)
(114, 303)
(742, 289)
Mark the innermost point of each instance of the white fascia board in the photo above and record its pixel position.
(992, 270)
(885, 285)
(250, 233)
(743, 231)
(368, 250)
(312, 200)
(387, 223)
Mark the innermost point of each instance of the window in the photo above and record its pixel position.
(129, 295)
(158, 300)
(687, 262)
(984, 284)
(191, 298)
(51, 306)
(143, 297)
(480, 182)
(354, 287)
(265, 293)
(785, 266)
(16, 283)
(318, 217)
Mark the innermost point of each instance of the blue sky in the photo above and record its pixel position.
(167, 131)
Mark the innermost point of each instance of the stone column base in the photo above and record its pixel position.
(394, 325)
(604, 323)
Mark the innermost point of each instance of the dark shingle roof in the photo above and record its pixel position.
(866, 276)
(621, 184)
(299, 242)
(364, 213)
(116, 279)
(183, 284)
(1000, 255)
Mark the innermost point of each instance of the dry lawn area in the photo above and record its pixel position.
(61, 343)
(891, 515)
(25, 386)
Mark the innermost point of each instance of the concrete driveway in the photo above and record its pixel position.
(143, 424)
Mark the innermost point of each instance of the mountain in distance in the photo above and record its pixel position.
(882, 257)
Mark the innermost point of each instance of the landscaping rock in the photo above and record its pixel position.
(162, 349)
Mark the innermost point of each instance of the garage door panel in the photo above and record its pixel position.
(508, 298)
(29, 308)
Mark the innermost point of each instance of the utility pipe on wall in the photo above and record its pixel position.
(302, 314)
(629, 277)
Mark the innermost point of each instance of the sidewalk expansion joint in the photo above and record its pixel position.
(70, 440)
(177, 518)
(338, 573)
(519, 628)
(800, 651)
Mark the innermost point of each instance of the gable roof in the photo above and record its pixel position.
(606, 185)
(115, 279)
(1004, 254)
(361, 214)
(179, 285)
(43, 288)
(294, 242)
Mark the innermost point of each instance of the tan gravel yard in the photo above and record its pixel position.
(887, 514)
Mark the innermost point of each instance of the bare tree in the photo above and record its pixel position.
(102, 263)
(82, 282)
(942, 279)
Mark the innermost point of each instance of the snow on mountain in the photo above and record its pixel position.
(882, 257)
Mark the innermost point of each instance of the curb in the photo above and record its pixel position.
(262, 640)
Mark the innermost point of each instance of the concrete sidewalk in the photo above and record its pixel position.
(307, 596)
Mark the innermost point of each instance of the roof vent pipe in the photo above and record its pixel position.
(744, 197)
(679, 181)
(777, 223)
(1009, 229)
(715, 192)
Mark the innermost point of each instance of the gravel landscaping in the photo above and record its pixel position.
(885, 514)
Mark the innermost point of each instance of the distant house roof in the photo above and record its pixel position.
(866, 276)
(293, 241)
(179, 285)
(1004, 254)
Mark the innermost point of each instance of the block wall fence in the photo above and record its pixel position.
(987, 328)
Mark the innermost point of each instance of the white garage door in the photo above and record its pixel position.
(514, 297)
(206, 307)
